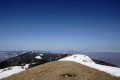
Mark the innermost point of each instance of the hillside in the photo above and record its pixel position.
(31, 57)
(61, 70)
(20, 63)
(18, 60)
(85, 60)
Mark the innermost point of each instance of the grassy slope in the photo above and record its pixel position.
(53, 70)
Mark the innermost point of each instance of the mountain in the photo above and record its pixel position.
(27, 60)
(103, 63)
(31, 58)
(18, 60)
(110, 57)
(107, 57)
(61, 70)
(9, 54)
(85, 60)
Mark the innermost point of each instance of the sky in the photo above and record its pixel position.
(87, 25)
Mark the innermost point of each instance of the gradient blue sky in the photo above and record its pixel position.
(87, 25)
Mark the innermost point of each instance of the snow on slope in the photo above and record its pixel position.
(85, 60)
(12, 70)
(38, 57)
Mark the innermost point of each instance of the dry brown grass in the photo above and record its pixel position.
(57, 70)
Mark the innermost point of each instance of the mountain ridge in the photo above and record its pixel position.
(61, 70)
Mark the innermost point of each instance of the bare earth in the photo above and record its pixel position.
(61, 70)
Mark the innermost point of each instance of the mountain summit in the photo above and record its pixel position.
(85, 60)
(62, 60)
(61, 70)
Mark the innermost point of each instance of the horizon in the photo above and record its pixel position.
(83, 25)
(63, 51)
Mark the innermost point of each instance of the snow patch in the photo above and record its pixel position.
(85, 60)
(77, 58)
(12, 70)
(38, 57)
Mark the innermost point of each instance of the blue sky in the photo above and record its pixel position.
(87, 25)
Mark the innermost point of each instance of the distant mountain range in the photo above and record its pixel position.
(34, 59)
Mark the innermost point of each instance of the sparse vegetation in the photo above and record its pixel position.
(54, 70)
